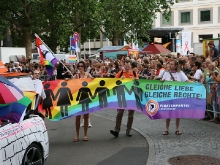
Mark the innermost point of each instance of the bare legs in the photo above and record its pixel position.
(166, 132)
(89, 123)
(77, 124)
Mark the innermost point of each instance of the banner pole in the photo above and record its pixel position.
(54, 55)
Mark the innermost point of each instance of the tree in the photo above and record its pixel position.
(80, 19)
(120, 17)
(3, 25)
(49, 17)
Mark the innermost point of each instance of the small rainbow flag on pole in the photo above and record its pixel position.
(72, 59)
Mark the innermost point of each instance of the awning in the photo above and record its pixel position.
(163, 31)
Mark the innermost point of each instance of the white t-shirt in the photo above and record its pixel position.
(161, 73)
(198, 74)
(178, 76)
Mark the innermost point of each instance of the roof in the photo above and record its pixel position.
(211, 39)
(156, 49)
(110, 48)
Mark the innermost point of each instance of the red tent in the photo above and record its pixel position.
(156, 49)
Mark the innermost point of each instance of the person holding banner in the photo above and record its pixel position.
(126, 73)
(81, 66)
(174, 74)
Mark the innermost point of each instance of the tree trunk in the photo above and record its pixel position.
(27, 42)
(115, 40)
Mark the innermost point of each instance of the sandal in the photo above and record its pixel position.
(85, 139)
(165, 133)
(178, 133)
(75, 139)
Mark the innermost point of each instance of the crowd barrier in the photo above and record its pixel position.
(212, 106)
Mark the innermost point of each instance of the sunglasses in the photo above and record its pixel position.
(80, 66)
(36, 73)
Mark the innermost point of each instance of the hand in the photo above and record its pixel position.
(162, 80)
(122, 77)
(211, 72)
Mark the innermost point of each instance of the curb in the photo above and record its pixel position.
(151, 156)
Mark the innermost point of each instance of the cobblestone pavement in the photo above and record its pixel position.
(198, 138)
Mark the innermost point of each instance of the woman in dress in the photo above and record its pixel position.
(82, 74)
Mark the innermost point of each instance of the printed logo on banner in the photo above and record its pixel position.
(152, 107)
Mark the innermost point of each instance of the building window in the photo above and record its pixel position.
(164, 22)
(185, 17)
(205, 15)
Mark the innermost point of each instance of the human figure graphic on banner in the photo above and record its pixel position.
(47, 102)
(138, 94)
(103, 93)
(65, 96)
(120, 92)
(83, 96)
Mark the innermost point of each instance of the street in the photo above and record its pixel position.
(101, 149)
(198, 138)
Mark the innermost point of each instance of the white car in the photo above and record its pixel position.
(24, 143)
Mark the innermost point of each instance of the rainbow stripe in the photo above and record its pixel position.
(14, 111)
(72, 59)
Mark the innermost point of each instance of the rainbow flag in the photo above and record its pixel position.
(72, 59)
(47, 58)
(157, 100)
(14, 112)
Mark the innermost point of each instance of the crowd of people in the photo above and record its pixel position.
(171, 67)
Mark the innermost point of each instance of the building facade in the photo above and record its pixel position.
(200, 17)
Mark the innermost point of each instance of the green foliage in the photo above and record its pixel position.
(3, 24)
(55, 20)
(120, 17)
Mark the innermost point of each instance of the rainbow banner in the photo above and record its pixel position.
(71, 59)
(157, 100)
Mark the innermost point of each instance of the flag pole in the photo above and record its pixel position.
(53, 54)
